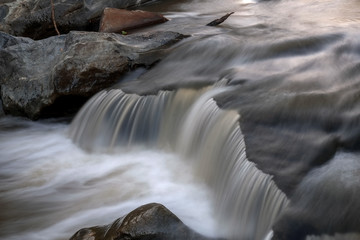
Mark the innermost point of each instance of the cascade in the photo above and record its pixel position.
(189, 123)
(292, 71)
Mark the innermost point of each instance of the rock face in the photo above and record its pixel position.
(32, 18)
(118, 20)
(151, 221)
(37, 74)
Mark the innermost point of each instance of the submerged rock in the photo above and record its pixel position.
(33, 18)
(118, 20)
(38, 74)
(150, 221)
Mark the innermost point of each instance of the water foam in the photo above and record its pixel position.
(51, 188)
(189, 123)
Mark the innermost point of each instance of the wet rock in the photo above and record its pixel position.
(151, 221)
(118, 20)
(325, 202)
(33, 18)
(220, 20)
(36, 74)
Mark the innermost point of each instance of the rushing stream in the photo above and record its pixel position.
(244, 130)
(51, 188)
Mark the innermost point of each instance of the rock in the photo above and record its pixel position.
(220, 20)
(4, 10)
(2, 113)
(33, 18)
(36, 75)
(325, 202)
(151, 221)
(24, 71)
(118, 20)
(7, 40)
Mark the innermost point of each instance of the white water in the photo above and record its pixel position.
(51, 188)
(189, 123)
(175, 148)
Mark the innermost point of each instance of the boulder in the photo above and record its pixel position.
(35, 75)
(118, 20)
(32, 18)
(151, 221)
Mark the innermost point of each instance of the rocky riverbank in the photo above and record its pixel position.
(43, 77)
(33, 18)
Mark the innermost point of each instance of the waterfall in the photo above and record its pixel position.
(113, 118)
(189, 123)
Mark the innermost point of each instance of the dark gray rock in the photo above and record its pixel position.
(326, 201)
(25, 71)
(35, 74)
(7, 40)
(33, 18)
(151, 221)
(4, 10)
(1, 109)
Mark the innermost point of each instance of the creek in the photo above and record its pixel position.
(244, 128)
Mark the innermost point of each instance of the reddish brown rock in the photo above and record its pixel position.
(118, 20)
(32, 18)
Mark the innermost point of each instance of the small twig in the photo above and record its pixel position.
(220, 20)
(53, 17)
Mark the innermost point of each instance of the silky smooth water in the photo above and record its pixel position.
(51, 188)
(189, 123)
(270, 94)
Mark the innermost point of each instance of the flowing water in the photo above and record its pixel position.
(51, 188)
(246, 130)
(189, 123)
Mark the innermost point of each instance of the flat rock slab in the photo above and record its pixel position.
(118, 20)
(36, 74)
